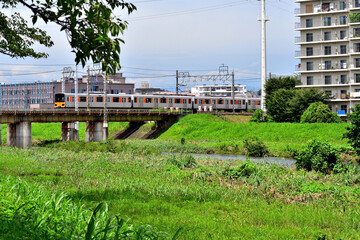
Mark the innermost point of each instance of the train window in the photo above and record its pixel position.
(156, 100)
(243, 102)
(249, 102)
(82, 99)
(129, 99)
(189, 101)
(226, 101)
(258, 103)
(231, 101)
(170, 100)
(115, 99)
(207, 101)
(221, 101)
(148, 100)
(177, 100)
(123, 100)
(136, 99)
(99, 99)
(196, 101)
(162, 100)
(67, 98)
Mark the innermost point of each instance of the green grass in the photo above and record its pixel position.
(214, 132)
(167, 192)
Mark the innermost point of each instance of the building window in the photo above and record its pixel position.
(116, 91)
(344, 108)
(342, 20)
(72, 90)
(309, 51)
(342, 64)
(342, 49)
(129, 91)
(82, 90)
(327, 36)
(309, 80)
(309, 23)
(327, 79)
(327, 21)
(342, 5)
(327, 50)
(357, 47)
(357, 3)
(327, 65)
(309, 66)
(343, 79)
(357, 78)
(357, 62)
(309, 37)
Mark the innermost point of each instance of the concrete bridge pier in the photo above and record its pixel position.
(70, 131)
(95, 131)
(19, 134)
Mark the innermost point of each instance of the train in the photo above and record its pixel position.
(134, 101)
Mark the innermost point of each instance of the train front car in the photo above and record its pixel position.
(59, 100)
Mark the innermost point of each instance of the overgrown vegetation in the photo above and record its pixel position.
(206, 198)
(255, 148)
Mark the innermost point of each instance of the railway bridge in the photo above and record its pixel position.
(19, 122)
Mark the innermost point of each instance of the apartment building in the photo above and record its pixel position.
(218, 90)
(329, 52)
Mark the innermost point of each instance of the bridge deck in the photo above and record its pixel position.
(83, 115)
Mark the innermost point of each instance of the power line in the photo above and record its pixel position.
(196, 10)
(31, 73)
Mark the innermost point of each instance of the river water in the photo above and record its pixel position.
(286, 162)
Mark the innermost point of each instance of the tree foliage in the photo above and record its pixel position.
(319, 112)
(353, 130)
(91, 28)
(284, 103)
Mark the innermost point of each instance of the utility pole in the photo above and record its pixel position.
(76, 89)
(263, 20)
(177, 82)
(105, 124)
(87, 89)
(233, 89)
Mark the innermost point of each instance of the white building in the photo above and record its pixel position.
(218, 90)
(330, 49)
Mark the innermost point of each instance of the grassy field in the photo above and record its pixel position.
(214, 132)
(204, 198)
(201, 196)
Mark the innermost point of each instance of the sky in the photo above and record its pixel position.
(195, 36)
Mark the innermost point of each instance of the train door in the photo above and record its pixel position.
(226, 103)
(171, 102)
(141, 102)
(156, 102)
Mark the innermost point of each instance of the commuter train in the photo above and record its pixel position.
(128, 101)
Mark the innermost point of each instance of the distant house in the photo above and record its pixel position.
(218, 90)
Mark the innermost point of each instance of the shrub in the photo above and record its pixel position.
(353, 130)
(245, 169)
(319, 113)
(258, 116)
(182, 161)
(318, 156)
(255, 147)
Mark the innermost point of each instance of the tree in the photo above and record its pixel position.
(91, 28)
(275, 83)
(319, 112)
(278, 107)
(353, 130)
(302, 100)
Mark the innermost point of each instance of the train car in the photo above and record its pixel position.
(125, 101)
